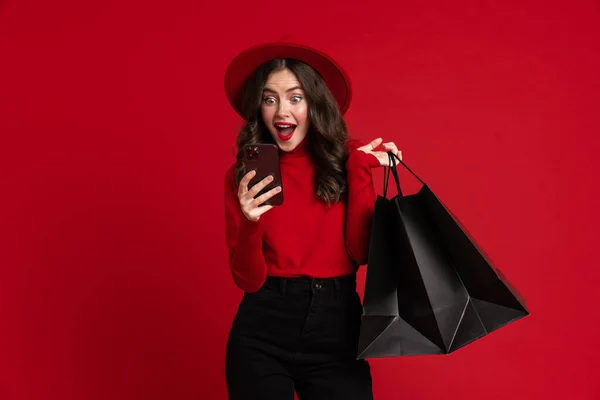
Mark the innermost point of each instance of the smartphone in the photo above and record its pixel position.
(264, 159)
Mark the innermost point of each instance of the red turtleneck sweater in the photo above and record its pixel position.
(304, 236)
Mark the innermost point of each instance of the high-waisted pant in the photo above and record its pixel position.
(298, 334)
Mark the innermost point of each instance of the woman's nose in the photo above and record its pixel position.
(282, 110)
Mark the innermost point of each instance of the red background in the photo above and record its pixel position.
(115, 135)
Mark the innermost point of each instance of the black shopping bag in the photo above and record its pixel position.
(429, 288)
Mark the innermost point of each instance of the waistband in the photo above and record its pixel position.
(339, 284)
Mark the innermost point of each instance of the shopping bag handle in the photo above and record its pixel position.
(392, 168)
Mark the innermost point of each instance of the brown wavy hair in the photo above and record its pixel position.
(327, 135)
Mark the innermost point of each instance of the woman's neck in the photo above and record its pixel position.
(301, 150)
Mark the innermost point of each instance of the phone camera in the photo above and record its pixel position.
(251, 152)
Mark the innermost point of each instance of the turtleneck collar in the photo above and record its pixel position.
(300, 151)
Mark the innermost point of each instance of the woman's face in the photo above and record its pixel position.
(284, 109)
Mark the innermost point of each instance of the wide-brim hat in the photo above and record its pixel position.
(246, 62)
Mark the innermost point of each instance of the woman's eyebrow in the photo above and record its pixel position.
(289, 90)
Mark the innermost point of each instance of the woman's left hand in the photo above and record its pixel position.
(382, 155)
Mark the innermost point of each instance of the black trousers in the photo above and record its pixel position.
(298, 334)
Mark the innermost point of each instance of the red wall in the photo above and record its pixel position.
(115, 134)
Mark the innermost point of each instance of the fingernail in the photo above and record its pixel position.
(278, 189)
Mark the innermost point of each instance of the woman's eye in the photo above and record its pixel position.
(296, 99)
(269, 100)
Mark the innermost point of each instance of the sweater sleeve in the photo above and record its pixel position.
(244, 242)
(361, 202)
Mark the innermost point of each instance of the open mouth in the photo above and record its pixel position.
(285, 131)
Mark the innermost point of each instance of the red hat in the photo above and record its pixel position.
(245, 63)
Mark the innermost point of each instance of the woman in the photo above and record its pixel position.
(298, 323)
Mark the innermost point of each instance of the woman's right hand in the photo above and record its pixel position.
(251, 207)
